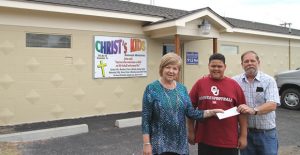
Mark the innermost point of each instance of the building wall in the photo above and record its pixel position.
(194, 72)
(44, 84)
(295, 54)
(273, 53)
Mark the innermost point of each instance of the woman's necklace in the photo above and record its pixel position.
(173, 110)
(167, 84)
(169, 101)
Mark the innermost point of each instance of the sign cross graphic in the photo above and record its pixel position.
(102, 65)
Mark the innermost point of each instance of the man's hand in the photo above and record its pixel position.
(242, 142)
(191, 138)
(191, 131)
(244, 109)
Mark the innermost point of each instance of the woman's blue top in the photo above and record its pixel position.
(163, 117)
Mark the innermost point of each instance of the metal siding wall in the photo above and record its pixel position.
(43, 84)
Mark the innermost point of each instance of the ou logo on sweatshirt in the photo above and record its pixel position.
(214, 90)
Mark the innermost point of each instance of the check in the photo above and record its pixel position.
(228, 113)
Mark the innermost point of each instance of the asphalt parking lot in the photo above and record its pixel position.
(105, 139)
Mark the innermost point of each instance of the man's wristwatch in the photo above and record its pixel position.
(255, 111)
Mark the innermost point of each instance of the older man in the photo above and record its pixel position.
(262, 98)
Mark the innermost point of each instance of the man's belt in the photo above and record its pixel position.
(260, 130)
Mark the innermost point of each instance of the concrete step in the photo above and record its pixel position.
(122, 123)
(44, 133)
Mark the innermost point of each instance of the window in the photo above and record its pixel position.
(229, 49)
(168, 48)
(48, 40)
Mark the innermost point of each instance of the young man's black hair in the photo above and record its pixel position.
(217, 56)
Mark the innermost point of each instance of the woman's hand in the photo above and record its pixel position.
(212, 112)
(147, 149)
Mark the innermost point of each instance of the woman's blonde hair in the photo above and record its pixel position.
(169, 59)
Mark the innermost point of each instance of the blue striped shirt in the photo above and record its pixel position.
(263, 89)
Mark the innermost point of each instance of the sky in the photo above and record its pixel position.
(273, 12)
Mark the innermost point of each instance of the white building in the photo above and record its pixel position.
(52, 66)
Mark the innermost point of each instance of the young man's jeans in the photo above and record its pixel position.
(204, 149)
(261, 143)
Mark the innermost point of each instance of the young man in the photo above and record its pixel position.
(215, 136)
(262, 99)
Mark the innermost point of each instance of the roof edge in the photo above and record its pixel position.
(181, 21)
(76, 10)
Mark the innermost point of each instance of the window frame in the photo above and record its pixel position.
(47, 42)
(230, 52)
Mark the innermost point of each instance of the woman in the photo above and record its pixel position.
(165, 105)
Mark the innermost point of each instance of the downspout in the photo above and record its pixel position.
(178, 52)
(289, 54)
(290, 32)
(215, 45)
(177, 45)
(183, 60)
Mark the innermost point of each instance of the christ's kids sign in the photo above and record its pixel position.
(119, 57)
